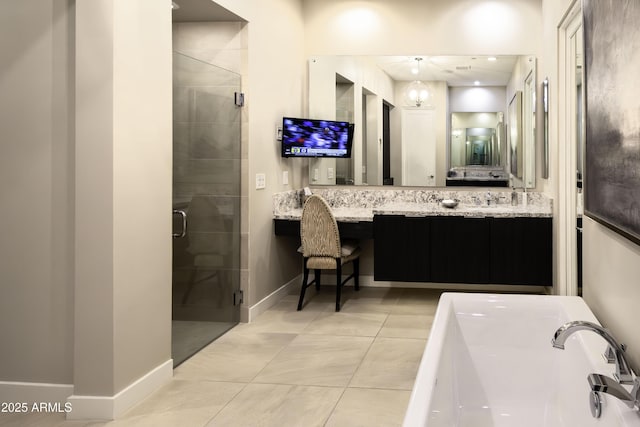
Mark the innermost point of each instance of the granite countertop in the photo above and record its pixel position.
(344, 214)
(433, 209)
(341, 214)
(477, 178)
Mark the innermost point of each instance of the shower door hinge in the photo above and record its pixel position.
(239, 99)
(238, 297)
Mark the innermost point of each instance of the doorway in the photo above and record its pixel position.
(418, 147)
(206, 204)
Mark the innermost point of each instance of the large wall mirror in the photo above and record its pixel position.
(426, 120)
(477, 150)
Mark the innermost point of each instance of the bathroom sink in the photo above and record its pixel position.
(449, 203)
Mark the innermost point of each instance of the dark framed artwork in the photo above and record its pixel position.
(612, 152)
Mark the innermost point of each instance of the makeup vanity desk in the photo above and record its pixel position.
(353, 223)
(416, 239)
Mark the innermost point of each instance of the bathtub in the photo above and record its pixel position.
(489, 362)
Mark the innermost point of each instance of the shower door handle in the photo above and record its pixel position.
(183, 231)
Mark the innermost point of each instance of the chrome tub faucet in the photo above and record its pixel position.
(605, 384)
(601, 383)
(624, 374)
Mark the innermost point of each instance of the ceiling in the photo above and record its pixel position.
(202, 10)
(455, 70)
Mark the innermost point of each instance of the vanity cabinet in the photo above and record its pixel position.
(457, 249)
(400, 242)
(522, 252)
(460, 249)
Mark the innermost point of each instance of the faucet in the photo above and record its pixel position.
(488, 197)
(604, 384)
(623, 374)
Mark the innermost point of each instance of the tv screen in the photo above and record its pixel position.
(316, 138)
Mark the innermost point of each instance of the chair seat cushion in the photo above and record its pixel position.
(347, 248)
(328, 263)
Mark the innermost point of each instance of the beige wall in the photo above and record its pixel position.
(142, 150)
(123, 193)
(410, 27)
(86, 164)
(275, 86)
(36, 250)
(611, 286)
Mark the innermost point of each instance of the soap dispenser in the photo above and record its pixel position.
(514, 197)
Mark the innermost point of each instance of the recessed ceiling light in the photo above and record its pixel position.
(492, 58)
(477, 83)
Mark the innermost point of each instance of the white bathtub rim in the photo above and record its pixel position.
(422, 393)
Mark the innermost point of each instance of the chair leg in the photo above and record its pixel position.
(317, 276)
(356, 274)
(338, 283)
(190, 283)
(305, 278)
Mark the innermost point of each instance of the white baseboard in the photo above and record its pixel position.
(368, 281)
(111, 407)
(248, 314)
(34, 392)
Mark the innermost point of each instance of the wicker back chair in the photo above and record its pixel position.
(322, 248)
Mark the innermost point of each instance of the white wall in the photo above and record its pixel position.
(478, 99)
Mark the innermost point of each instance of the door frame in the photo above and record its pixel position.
(567, 262)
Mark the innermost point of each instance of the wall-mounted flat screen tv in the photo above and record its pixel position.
(316, 138)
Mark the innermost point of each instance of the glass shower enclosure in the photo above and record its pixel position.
(206, 204)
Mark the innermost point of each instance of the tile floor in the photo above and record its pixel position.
(315, 367)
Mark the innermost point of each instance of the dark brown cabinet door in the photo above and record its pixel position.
(521, 253)
(401, 248)
(460, 249)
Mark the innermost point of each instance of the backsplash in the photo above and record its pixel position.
(374, 198)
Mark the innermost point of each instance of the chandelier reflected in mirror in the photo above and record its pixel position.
(417, 92)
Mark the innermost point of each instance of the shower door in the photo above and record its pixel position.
(206, 204)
